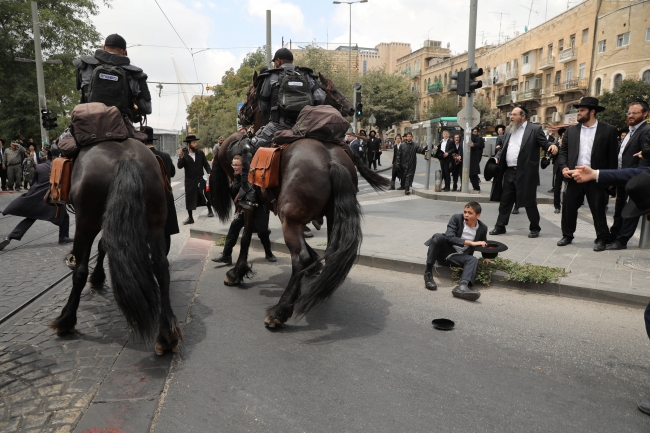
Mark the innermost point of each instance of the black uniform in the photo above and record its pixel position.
(171, 226)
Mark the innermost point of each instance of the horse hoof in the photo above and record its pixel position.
(272, 322)
(63, 331)
(231, 282)
(159, 349)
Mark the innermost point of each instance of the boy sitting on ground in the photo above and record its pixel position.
(456, 248)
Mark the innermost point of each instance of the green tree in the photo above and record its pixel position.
(488, 116)
(616, 103)
(66, 32)
(444, 106)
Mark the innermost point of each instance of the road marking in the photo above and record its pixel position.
(390, 199)
(174, 184)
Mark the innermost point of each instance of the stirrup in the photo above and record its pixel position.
(249, 205)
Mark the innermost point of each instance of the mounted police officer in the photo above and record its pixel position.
(110, 78)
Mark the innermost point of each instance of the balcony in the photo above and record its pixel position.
(568, 55)
(548, 63)
(575, 85)
(497, 80)
(504, 100)
(435, 88)
(529, 94)
(529, 68)
(513, 74)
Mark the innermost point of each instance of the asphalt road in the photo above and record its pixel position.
(369, 360)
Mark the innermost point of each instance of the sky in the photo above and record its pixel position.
(233, 28)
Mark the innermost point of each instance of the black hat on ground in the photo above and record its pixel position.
(491, 169)
(190, 138)
(591, 103)
(492, 249)
(149, 131)
(283, 54)
(639, 202)
(443, 324)
(116, 41)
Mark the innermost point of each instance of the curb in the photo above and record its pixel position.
(391, 263)
(462, 197)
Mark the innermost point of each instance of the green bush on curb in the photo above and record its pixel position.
(221, 242)
(517, 272)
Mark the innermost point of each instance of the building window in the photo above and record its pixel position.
(602, 45)
(598, 86)
(572, 41)
(569, 73)
(560, 45)
(585, 36)
(558, 77)
(623, 40)
(524, 59)
(550, 51)
(646, 76)
(618, 79)
(581, 70)
(548, 80)
(647, 34)
(445, 78)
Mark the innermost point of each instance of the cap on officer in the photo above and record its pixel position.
(283, 54)
(116, 41)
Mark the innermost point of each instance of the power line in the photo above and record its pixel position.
(191, 48)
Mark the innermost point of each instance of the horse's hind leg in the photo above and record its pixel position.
(170, 332)
(83, 242)
(98, 276)
(300, 260)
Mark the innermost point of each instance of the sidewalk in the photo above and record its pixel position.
(395, 227)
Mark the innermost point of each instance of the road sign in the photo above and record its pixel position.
(462, 120)
(372, 119)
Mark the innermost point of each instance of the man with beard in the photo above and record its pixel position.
(593, 144)
(374, 144)
(407, 161)
(193, 161)
(457, 161)
(517, 180)
(476, 146)
(396, 172)
(444, 153)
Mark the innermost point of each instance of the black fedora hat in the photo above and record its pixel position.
(491, 169)
(639, 202)
(496, 128)
(544, 162)
(591, 103)
(190, 138)
(443, 324)
(149, 131)
(492, 249)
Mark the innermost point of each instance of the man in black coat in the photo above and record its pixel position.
(193, 161)
(501, 131)
(476, 146)
(3, 171)
(456, 248)
(457, 154)
(623, 228)
(171, 226)
(588, 143)
(374, 144)
(32, 207)
(407, 161)
(444, 152)
(518, 176)
(396, 173)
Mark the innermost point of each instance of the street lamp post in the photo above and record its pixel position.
(350, 41)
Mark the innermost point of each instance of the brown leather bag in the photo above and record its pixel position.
(94, 122)
(322, 123)
(60, 180)
(265, 167)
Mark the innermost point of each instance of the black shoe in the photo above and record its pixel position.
(551, 190)
(210, 214)
(600, 246)
(4, 243)
(446, 190)
(65, 240)
(271, 258)
(644, 405)
(379, 164)
(455, 188)
(407, 192)
(464, 292)
(515, 211)
(533, 234)
(564, 241)
(307, 232)
(495, 231)
(401, 187)
(223, 259)
(616, 245)
(188, 221)
(392, 187)
(428, 281)
(557, 210)
(317, 225)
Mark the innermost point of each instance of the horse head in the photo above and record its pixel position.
(335, 97)
(247, 111)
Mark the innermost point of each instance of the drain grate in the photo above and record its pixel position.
(637, 264)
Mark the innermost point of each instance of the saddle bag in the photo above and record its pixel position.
(60, 180)
(94, 122)
(321, 122)
(67, 145)
(265, 167)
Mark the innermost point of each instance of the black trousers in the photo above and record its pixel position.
(261, 223)
(558, 181)
(440, 250)
(407, 181)
(446, 173)
(597, 200)
(372, 158)
(474, 180)
(396, 174)
(455, 173)
(623, 228)
(19, 231)
(508, 200)
(3, 177)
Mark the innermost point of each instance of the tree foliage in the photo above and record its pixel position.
(66, 32)
(444, 107)
(388, 97)
(489, 116)
(617, 103)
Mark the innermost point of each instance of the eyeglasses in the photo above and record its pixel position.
(236, 165)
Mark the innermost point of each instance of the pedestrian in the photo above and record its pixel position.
(11, 161)
(215, 149)
(171, 225)
(28, 167)
(381, 147)
(518, 176)
(623, 228)
(396, 172)
(477, 144)
(363, 145)
(3, 170)
(407, 161)
(558, 179)
(374, 144)
(457, 164)
(501, 130)
(455, 247)
(261, 221)
(193, 161)
(444, 152)
(32, 207)
(594, 144)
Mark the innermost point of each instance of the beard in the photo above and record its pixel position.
(515, 126)
(585, 118)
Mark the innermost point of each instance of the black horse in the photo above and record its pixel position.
(117, 188)
(317, 180)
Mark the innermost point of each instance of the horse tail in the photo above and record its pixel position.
(124, 238)
(343, 244)
(220, 191)
(377, 181)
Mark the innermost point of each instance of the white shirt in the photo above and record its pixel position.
(469, 234)
(193, 155)
(36, 158)
(624, 143)
(587, 135)
(443, 144)
(514, 145)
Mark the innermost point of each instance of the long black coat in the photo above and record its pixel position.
(171, 226)
(31, 204)
(194, 182)
(407, 158)
(603, 152)
(527, 166)
(475, 155)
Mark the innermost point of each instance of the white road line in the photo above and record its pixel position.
(390, 200)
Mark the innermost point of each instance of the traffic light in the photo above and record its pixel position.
(49, 121)
(357, 99)
(472, 83)
(459, 87)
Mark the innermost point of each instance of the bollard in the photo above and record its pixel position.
(438, 181)
(644, 241)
